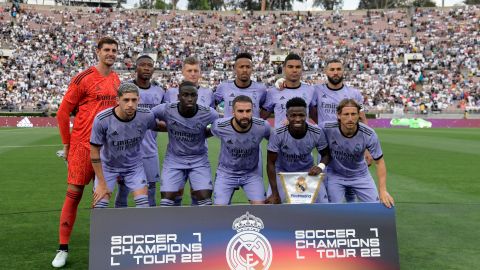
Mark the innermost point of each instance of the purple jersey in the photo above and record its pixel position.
(277, 99)
(205, 97)
(295, 155)
(120, 139)
(227, 91)
(328, 99)
(149, 98)
(186, 136)
(239, 151)
(348, 152)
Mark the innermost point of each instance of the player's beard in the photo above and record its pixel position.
(335, 81)
(242, 124)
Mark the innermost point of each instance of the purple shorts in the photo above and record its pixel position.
(135, 179)
(226, 183)
(151, 166)
(174, 179)
(364, 188)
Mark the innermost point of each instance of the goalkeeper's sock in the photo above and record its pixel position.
(68, 215)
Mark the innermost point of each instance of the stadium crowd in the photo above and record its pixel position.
(51, 44)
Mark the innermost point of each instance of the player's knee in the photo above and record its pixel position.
(202, 194)
(168, 195)
(76, 188)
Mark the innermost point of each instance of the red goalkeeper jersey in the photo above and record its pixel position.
(89, 92)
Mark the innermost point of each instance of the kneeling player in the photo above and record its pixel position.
(348, 139)
(240, 137)
(290, 150)
(115, 141)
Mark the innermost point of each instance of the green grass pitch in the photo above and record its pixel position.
(432, 173)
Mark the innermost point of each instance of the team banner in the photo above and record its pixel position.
(300, 187)
(244, 237)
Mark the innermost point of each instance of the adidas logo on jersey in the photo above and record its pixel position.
(229, 142)
(334, 143)
(285, 147)
(115, 133)
(232, 95)
(282, 98)
(324, 96)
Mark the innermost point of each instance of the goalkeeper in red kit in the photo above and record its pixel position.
(89, 92)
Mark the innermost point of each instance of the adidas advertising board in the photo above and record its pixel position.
(360, 236)
(25, 123)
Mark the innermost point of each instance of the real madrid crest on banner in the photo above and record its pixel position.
(301, 187)
(248, 249)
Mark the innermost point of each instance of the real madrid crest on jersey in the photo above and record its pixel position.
(248, 249)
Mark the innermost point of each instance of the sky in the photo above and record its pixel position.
(347, 4)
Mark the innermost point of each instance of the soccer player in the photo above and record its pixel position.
(186, 156)
(240, 138)
(276, 99)
(151, 95)
(115, 151)
(348, 139)
(242, 85)
(192, 72)
(329, 95)
(327, 98)
(89, 92)
(290, 150)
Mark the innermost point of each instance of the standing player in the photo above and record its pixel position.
(191, 72)
(276, 99)
(186, 156)
(240, 137)
(348, 139)
(290, 150)
(151, 95)
(329, 95)
(327, 98)
(242, 85)
(90, 92)
(115, 151)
